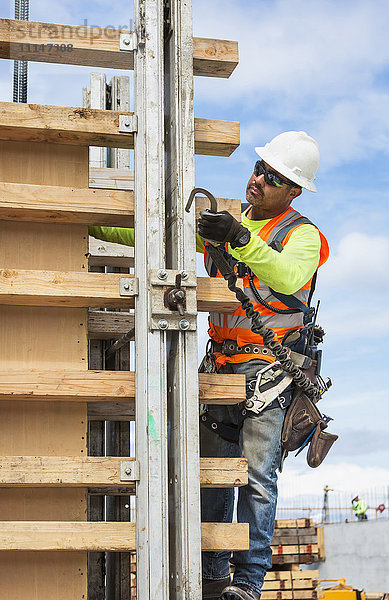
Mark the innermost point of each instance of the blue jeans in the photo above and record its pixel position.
(260, 443)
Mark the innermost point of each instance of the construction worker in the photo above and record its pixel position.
(279, 253)
(360, 508)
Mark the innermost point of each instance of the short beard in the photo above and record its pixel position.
(252, 200)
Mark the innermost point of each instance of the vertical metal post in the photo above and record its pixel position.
(150, 363)
(184, 462)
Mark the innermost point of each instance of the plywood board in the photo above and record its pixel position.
(55, 338)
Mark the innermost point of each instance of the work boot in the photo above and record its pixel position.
(240, 591)
(212, 588)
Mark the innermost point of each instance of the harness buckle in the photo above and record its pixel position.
(241, 269)
(260, 400)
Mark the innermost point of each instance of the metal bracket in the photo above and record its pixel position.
(128, 41)
(129, 470)
(128, 123)
(129, 286)
(164, 318)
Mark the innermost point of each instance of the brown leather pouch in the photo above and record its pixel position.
(300, 420)
(319, 447)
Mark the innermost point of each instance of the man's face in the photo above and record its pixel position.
(267, 200)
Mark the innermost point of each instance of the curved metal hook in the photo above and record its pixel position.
(198, 190)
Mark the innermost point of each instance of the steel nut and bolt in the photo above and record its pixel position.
(162, 274)
(184, 275)
(163, 324)
(184, 324)
(128, 471)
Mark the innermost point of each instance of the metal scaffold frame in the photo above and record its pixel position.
(164, 84)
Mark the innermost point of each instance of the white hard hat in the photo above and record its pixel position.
(295, 155)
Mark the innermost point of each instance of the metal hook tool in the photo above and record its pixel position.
(211, 198)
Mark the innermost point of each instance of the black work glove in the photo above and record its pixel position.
(222, 227)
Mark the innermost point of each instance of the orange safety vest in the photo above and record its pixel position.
(236, 326)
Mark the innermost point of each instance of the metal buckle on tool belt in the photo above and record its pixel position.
(241, 269)
(260, 400)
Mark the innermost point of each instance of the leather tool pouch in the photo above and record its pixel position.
(319, 447)
(300, 420)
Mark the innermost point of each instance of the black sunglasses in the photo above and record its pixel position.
(271, 178)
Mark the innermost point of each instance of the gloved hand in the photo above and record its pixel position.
(222, 227)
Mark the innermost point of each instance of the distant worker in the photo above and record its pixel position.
(360, 508)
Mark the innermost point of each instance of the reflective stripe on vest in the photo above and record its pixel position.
(236, 325)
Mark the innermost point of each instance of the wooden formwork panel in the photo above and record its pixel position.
(43, 338)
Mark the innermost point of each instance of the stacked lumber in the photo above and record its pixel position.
(133, 575)
(291, 585)
(295, 542)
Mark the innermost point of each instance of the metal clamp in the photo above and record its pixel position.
(129, 286)
(128, 41)
(128, 123)
(129, 470)
(173, 300)
(260, 400)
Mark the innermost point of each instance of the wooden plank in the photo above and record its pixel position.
(214, 58)
(111, 178)
(59, 204)
(100, 47)
(293, 523)
(290, 584)
(62, 288)
(296, 549)
(213, 295)
(300, 539)
(107, 325)
(224, 536)
(105, 386)
(292, 595)
(67, 535)
(109, 254)
(74, 289)
(111, 411)
(294, 559)
(109, 536)
(320, 542)
(214, 472)
(94, 127)
(287, 575)
(216, 138)
(54, 338)
(61, 471)
(288, 533)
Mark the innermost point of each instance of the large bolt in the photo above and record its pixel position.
(163, 324)
(126, 286)
(162, 274)
(184, 274)
(128, 471)
(184, 324)
(126, 41)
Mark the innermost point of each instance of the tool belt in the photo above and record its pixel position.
(231, 347)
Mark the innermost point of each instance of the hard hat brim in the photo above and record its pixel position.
(263, 153)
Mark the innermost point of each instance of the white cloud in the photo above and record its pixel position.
(304, 65)
(344, 476)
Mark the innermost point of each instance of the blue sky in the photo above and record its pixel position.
(322, 67)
